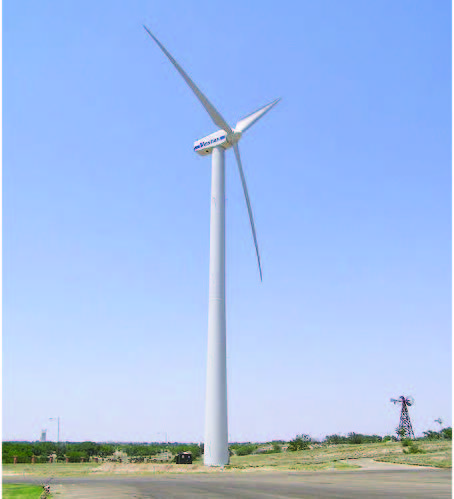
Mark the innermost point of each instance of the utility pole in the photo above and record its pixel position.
(58, 429)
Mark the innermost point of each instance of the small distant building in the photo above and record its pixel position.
(43, 435)
(184, 458)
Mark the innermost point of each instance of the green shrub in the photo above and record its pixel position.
(245, 450)
(413, 449)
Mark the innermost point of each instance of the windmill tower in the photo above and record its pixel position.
(216, 428)
(405, 429)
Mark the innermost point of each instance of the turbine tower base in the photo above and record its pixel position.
(216, 450)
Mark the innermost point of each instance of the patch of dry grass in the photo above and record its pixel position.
(48, 469)
(438, 454)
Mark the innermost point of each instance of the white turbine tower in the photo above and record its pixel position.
(216, 433)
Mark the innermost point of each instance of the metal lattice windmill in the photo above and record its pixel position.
(405, 429)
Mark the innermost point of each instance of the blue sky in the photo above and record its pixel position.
(106, 217)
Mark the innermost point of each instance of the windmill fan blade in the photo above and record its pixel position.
(212, 111)
(410, 400)
(248, 203)
(252, 118)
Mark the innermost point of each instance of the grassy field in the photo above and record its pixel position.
(435, 454)
(339, 457)
(13, 491)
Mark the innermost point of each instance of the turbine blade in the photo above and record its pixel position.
(250, 119)
(212, 111)
(248, 203)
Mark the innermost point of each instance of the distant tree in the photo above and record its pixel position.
(400, 432)
(106, 450)
(277, 447)
(90, 448)
(23, 452)
(335, 439)
(355, 438)
(300, 442)
(75, 456)
(359, 438)
(43, 448)
(140, 450)
(447, 433)
(431, 435)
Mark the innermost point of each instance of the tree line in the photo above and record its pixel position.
(76, 451)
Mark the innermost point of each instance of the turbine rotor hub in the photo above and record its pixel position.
(234, 137)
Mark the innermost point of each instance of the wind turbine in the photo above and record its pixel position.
(216, 451)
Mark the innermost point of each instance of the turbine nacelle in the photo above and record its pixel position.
(205, 146)
(228, 137)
